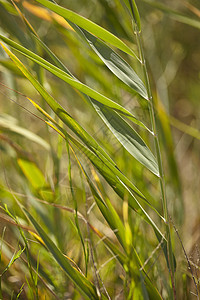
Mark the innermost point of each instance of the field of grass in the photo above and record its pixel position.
(99, 149)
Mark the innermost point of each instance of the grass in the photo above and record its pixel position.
(94, 198)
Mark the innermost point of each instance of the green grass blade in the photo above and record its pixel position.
(109, 171)
(116, 179)
(107, 211)
(82, 283)
(72, 81)
(57, 108)
(88, 25)
(130, 140)
(125, 134)
(114, 62)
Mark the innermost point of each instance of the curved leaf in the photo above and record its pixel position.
(88, 25)
(114, 62)
(129, 138)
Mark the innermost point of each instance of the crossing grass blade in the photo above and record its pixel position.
(109, 171)
(72, 81)
(86, 288)
(130, 139)
(115, 223)
(113, 61)
(112, 175)
(126, 135)
(105, 162)
(58, 109)
(88, 25)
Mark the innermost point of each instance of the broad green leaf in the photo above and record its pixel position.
(114, 62)
(83, 284)
(88, 25)
(72, 81)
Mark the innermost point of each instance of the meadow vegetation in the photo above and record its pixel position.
(99, 149)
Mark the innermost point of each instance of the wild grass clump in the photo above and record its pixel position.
(91, 194)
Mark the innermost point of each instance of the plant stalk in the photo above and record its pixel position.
(159, 159)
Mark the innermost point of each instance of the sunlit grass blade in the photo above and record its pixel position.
(73, 82)
(57, 108)
(126, 135)
(130, 140)
(114, 62)
(88, 25)
(83, 284)
(105, 162)
(112, 176)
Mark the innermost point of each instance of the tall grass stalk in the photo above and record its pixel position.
(159, 158)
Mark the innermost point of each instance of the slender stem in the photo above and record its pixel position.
(159, 159)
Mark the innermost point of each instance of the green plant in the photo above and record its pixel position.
(101, 244)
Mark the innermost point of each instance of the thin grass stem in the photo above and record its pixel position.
(159, 158)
